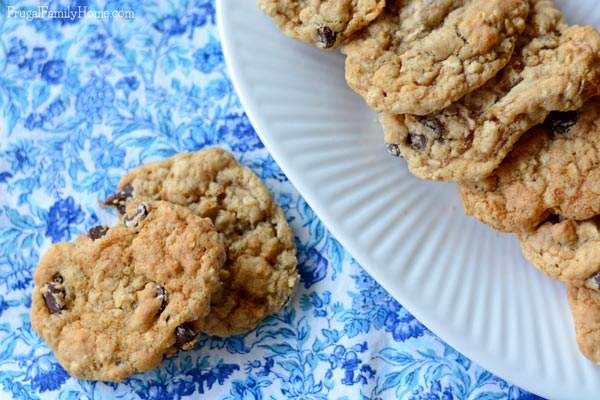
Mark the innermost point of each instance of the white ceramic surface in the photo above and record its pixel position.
(468, 284)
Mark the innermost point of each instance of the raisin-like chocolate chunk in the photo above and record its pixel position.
(57, 278)
(434, 126)
(161, 293)
(417, 142)
(561, 122)
(132, 221)
(394, 150)
(119, 199)
(97, 232)
(593, 282)
(184, 334)
(54, 295)
(326, 36)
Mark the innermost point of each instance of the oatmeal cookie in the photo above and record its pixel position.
(566, 250)
(323, 23)
(585, 308)
(555, 68)
(260, 272)
(422, 55)
(553, 170)
(113, 302)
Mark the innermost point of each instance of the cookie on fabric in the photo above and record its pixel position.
(422, 55)
(323, 23)
(555, 68)
(113, 302)
(260, 274)
(553, 170)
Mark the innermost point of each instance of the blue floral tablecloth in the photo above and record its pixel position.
(83, 98)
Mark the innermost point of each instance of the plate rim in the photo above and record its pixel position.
(554, 390)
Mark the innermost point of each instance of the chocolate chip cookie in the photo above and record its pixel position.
(260, 272)
(566, 250)
(555, 68)
(112, 303)
(422, 55)
(553, 170)
(323, 23)
(585, 307)
(569, 251)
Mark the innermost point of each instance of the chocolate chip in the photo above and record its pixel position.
(119, 199)
(287, 302)
(184, 334)
(417, 142)
(394, 150)
(553, 219)
(161, 293)
(593, 282)
(391, 6)
(561, 122)
(434, 126)
(57, 278)
(54, 295)
(132, 221)
(97, 232)
(326, 36)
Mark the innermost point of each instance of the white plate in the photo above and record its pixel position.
(468, 284)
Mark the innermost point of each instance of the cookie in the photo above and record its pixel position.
(323, 23)
(566, 250)
(553, 170)
(260, 272)
(422, 55)
(555, 68)
(113, 302)
(585, 308)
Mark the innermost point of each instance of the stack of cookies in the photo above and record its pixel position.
(201, 247)
(499, 96)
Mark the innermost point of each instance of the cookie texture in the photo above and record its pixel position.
(323, 23)
(553, 170)
(585, 308)
(260, 273)
(422, 55)
(555, 68)
(112, 303)
(566, 250)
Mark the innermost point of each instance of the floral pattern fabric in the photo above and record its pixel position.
(84, 99)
